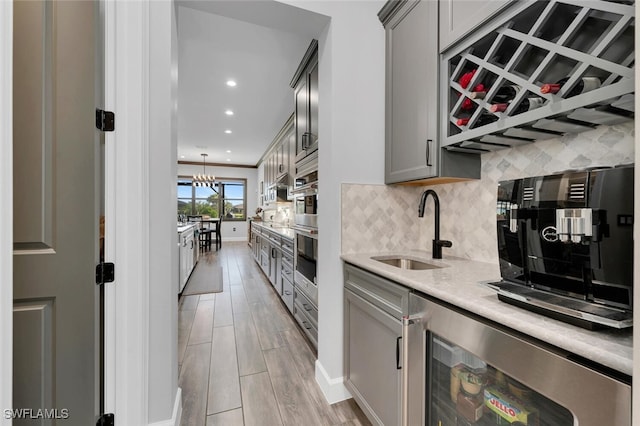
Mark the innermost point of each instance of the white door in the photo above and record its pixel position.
(57, 163)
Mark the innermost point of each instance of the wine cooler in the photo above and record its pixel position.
(458, 370)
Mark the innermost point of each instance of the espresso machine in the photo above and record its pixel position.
(565, 244)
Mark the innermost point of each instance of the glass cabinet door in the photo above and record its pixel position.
(465, 390)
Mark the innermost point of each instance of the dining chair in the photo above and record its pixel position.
(218, 234)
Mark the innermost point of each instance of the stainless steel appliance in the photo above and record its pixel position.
(565, 243)
(457, 370)
(305, 192)
(306, 262)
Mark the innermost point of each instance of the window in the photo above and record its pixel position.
(229, 197)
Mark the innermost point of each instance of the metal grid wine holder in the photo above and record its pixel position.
(528, 45)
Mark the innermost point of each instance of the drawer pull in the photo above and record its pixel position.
(306, 325)
(306, 307)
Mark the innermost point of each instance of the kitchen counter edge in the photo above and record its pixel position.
(280, 230)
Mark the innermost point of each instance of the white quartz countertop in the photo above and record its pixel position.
(458, 282)
(186, 227)
(279, 229)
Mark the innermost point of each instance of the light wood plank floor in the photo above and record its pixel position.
(242, 358)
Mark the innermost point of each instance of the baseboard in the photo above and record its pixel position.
(176, 416)
(333, 390)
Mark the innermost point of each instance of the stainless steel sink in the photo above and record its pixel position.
(406, 263)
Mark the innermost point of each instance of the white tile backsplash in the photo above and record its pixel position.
(385, 217)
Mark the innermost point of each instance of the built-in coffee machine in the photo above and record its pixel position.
(565, 243)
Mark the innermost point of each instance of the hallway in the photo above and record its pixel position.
(243, 360)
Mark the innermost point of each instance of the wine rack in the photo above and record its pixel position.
(530, 44)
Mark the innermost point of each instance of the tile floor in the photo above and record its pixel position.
(243, 360)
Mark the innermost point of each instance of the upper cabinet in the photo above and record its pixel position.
(412, 148)
(459, 17)
(537, 71)
(305, 87)
(277, 167)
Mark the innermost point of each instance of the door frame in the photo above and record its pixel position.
(126, 352)
(6, 207)
(126, 207)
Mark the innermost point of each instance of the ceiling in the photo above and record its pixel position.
(259, 44)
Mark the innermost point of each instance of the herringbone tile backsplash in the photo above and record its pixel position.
(385, 218)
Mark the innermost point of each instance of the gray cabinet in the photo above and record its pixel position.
(305, 89)
(459, 17)
(373, 308)
(412, 148)
(276, 165)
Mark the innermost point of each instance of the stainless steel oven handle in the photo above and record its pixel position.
(302, 230)
(310, 187)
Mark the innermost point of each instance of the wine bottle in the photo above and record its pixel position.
(584, 85)
(483, 120)
(526, 105)
(503, 95)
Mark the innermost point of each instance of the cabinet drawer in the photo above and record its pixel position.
(287, 245)
(386, 295)
(307, 325)
(287, 293)
(304, 304)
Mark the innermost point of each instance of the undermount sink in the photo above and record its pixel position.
(406, 263)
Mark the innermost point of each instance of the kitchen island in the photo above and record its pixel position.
(459, 283)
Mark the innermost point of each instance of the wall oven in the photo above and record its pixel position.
(305, 192)
(458, 370)
(306, 262)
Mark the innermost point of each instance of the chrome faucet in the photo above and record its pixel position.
(436, 249)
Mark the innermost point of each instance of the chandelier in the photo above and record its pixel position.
(203, 179)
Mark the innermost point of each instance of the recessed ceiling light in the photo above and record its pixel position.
(228, 151)
(231, 83)
(228, 112)
(228, 159)
(227, 131)
(182, 156)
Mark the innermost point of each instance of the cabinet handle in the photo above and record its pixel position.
(429, 152)
(398, 366)
(306, 307)
(287, 292)
(306, 325)
(192, 244)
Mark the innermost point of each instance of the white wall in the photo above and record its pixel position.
(250, 174)
(351, 135)
(163, 252)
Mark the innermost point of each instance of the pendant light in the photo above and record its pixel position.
(203, 179)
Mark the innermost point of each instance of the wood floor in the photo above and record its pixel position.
(243, 360)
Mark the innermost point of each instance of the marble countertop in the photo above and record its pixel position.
(458, 282)
(283, 231)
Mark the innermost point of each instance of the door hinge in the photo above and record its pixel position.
(105, 120)
(106, 420)
(105, 273)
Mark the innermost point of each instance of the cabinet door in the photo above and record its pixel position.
(412, 93)
(301, 97)
(312, 117)
(459, 17)
(371, 359)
